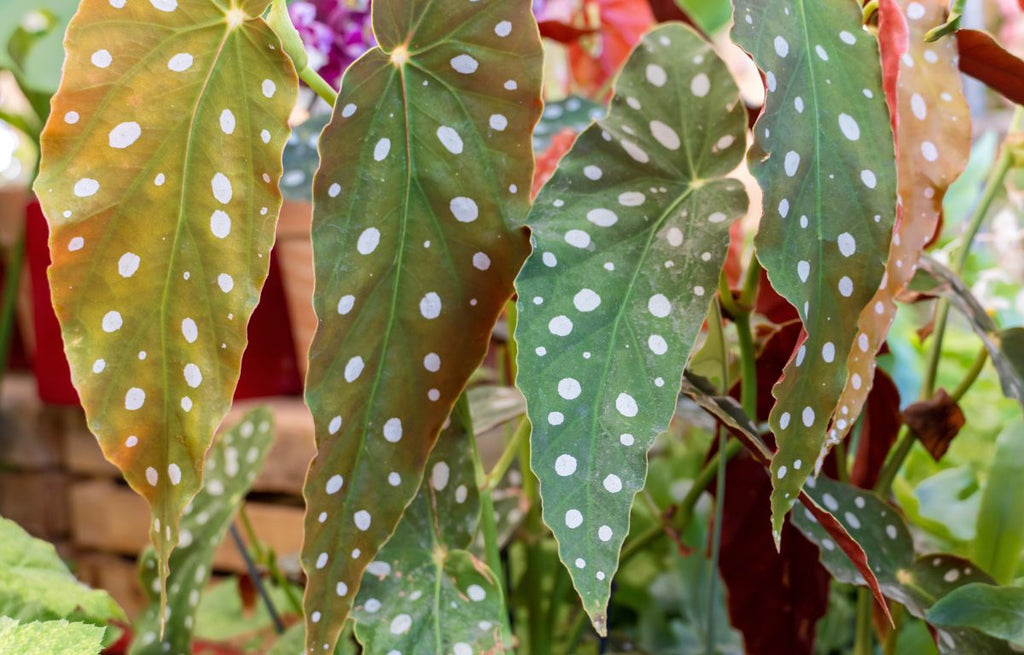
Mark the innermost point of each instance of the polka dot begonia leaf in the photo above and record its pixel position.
(419, 206)
(914, 581)
(426, 593)
(824, 156)
(923, 85)
(158, 178)
(232, 465)
(629, 237)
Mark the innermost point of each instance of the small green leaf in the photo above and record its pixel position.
(573, 113)
(49, 638)
(629, 237)
(823, 154)
(35, 585)
(1000, 533)
(231, 467)
(426, 593)
(419, 204)
(995, 611)
(158, 178)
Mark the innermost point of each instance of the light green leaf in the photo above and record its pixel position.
(1000, 533)
(824, 155)
(35, 585)
(417, 234)
(159, 181)
(426, 593)
(49, 638)
(231, 467)
(629, 238)
(995, 611)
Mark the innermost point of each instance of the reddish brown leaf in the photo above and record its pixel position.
(597, 58)
(666, 10)
(547, 163)
(933, 136)
(878, 431)
(935, 422)
(783, 619)
(984, 59)
(773, 306)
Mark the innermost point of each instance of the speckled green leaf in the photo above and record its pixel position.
(916, 582)
(629, 238)
(35, 585)
(159, 181)
(824, 155)
(999, 539)
(426, 593)
(49, 638)
(995, 611)
(231, 467)
(417, 233)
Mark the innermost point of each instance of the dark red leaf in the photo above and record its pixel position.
(935, 422)
(773, 306)
(880, 425)
(984, 59)
(775, 598)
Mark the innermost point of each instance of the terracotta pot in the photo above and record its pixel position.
(296, 248)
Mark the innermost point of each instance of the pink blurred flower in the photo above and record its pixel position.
(335, 32)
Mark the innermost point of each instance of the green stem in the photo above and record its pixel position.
(751, 280)
(893, 637)
(512, 449)
(972, 375)
(748, 366)
(862, 641)
(951, 25)
(12, 270)
(904, 442)
(716, 541)
(281, 23)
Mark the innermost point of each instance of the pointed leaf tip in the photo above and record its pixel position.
(629, 237)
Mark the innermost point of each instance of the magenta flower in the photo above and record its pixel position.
(335, 32)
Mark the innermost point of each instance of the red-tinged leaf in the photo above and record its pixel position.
(771, 305)
(547, 163)
(984, 59)
(878, 431)
(933, 138)
(784, 620)
(854, 552)
(823, 154)
(566, 21)
(159, 177)
(935, 422)
(418, 208)
(599, 57)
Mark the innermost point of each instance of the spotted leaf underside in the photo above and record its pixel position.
(426, 593)
(933, 141)
(823, 154)
(231, 467)
(629, 237)
(417, 233)
(158, 178)
(916, 582)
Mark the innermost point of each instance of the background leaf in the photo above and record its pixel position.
(419, 201)
(426, 593)
(49, 637)
(231, 467)
(35, 585)
(1000, 533)
(933, 137)
(823, 154)
(627, 253)
(159, 181)
(995, 611)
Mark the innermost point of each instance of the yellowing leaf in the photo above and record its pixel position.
(159, 181)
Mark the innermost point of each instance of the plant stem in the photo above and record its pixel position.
(291, 41)
(904, 442)
(487, 524)
(12, 271)
(971, 376)
(862, 641)
(254, 574)
(512, 449)
(716, 540)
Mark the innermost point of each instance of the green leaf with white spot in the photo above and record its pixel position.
(419, 205)
(824, 156)
(629, 237)
(231, 467)
(49, 638)
(426, 593)
(35, 585)
(158, 178)
(995, 611)
(915, 582)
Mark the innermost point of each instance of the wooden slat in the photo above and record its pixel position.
(110, 518)
(29, 435)
(37, 501)
(119, 576)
